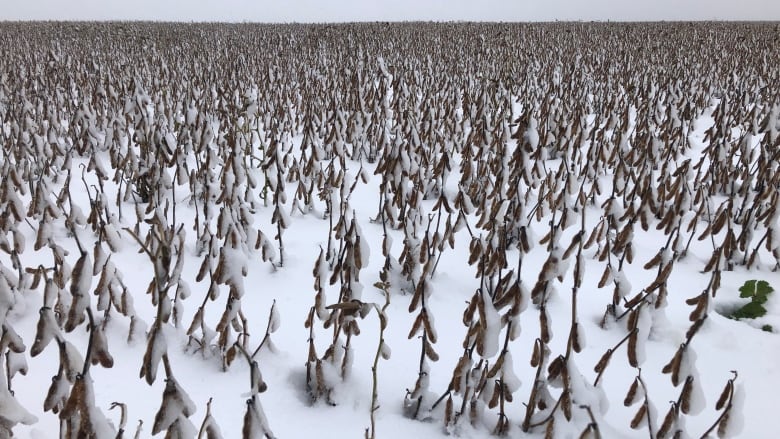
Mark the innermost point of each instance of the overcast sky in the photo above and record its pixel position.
(388, 10)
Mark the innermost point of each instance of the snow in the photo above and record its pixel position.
(13, 412)
(269, 391)
(736, 424)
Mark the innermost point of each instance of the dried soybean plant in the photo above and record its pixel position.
(324, 373)
(480, 135)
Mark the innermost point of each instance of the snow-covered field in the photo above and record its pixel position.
(409, 230)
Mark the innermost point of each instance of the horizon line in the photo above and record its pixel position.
(410, 21)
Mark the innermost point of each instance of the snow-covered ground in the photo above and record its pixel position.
(723, 345)
(721, 350)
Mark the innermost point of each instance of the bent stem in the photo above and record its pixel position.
(371, 433)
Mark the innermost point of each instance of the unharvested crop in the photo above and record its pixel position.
(538, 159)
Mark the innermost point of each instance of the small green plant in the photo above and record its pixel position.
(758, 292)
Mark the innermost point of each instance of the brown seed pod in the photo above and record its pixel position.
(605, 276)
(694, 300)
(634, 301)
(665, 272)
(605, 252)
(230, 355)
(57, 394)
(203, 270)
(631, 396)
(700, 310)
(416, 326)
(667, 220)
(636, 421)
(555, 368)
(428, 327)
(716, 277)
(549, 431)
(475, 251)
(197, 321)
(41, 236)
(587, 433)
(622, 238)
(357, 255)
(537, 291)
(76, 401)
(480, 340)
(423, 250)
(312, 353)
(544, 325)
(430, 352)
(46, 331)
(695, 327)
(100, 353)
(566, 404)
(719, 222)
(524, 244)
(320, 375)
(546, 238)
(574, 243)
(632, 349)
(603, 361)
(505, 297)
(714, 260)
(474, 411)
(705, 233)
(575, 338)
(685, 395)
(725, 395)
(493, 371)
(673, 367)
(668, 422)
(536, 356)
(633, 319)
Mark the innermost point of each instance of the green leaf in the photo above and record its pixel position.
(755, 288)
(760, 299)
(750, 311)
(748, 289)
(762, 290)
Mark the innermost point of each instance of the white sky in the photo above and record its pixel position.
(390, 10)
